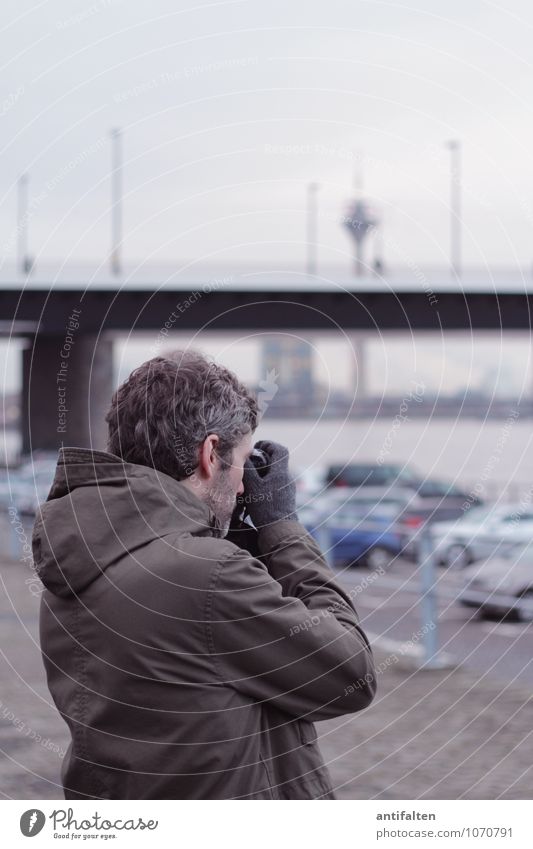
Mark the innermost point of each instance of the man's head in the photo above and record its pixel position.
(189, 418)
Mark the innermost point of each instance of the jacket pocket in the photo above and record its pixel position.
(307, 731)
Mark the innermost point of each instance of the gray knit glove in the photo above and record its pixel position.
(270, 496)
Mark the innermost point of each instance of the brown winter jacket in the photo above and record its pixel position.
(185, 667)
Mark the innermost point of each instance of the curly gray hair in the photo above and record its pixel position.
(166, 408)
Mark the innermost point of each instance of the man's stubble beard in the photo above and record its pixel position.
(222, 500)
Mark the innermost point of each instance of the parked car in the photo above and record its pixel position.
(444, 500)
(432, 500)
(503, 584)
(355, 475)
(27, 486)
(359, 529)
(423, 509)
(480, 533)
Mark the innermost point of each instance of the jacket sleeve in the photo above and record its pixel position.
(283, 631)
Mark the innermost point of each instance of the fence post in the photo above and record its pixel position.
(323, 538)
(14, 539)
(430, 636)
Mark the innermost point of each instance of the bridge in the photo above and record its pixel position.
(68, 318)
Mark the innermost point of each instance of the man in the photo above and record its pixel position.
(185, 666)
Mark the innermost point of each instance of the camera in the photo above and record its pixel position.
(261, 461)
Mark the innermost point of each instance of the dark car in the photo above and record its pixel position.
(355, 475)
(432, 500)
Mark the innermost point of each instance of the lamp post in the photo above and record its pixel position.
(23, 258)
(116, 201)
(454, 146)
(312, 228)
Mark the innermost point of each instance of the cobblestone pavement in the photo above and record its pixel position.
(444, 734)
(29, 766)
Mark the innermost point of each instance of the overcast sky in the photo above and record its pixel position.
(229, 109)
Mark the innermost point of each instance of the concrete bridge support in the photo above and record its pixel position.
(356, 351)
(67, 383)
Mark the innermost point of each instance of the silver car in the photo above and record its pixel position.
(502, 585)
(480, 533)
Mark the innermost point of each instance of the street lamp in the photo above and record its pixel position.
(454, 146)
(312, 227)
(24, 260)
(116, 200)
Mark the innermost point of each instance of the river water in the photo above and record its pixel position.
(492, 455)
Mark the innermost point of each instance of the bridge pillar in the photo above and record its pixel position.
(67, 383)
(357, 356)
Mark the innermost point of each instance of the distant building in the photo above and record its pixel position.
(10, 410)
(288, 363)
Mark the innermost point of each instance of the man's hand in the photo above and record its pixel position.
(271, 496)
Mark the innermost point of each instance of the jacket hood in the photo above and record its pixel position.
(99, 508)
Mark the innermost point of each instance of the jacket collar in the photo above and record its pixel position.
(85, 466)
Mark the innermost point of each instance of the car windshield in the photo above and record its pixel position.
(519, 553)
(434, 489)
(517, 516)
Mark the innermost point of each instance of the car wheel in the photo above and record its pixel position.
(526, 615)
(352, 564)
(495, 615)
(345, 564)
(378, 558)
(458, 556)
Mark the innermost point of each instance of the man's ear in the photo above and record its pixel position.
(208, 459)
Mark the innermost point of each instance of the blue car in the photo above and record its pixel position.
(359, 532)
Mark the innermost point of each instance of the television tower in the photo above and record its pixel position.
(359, 219)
